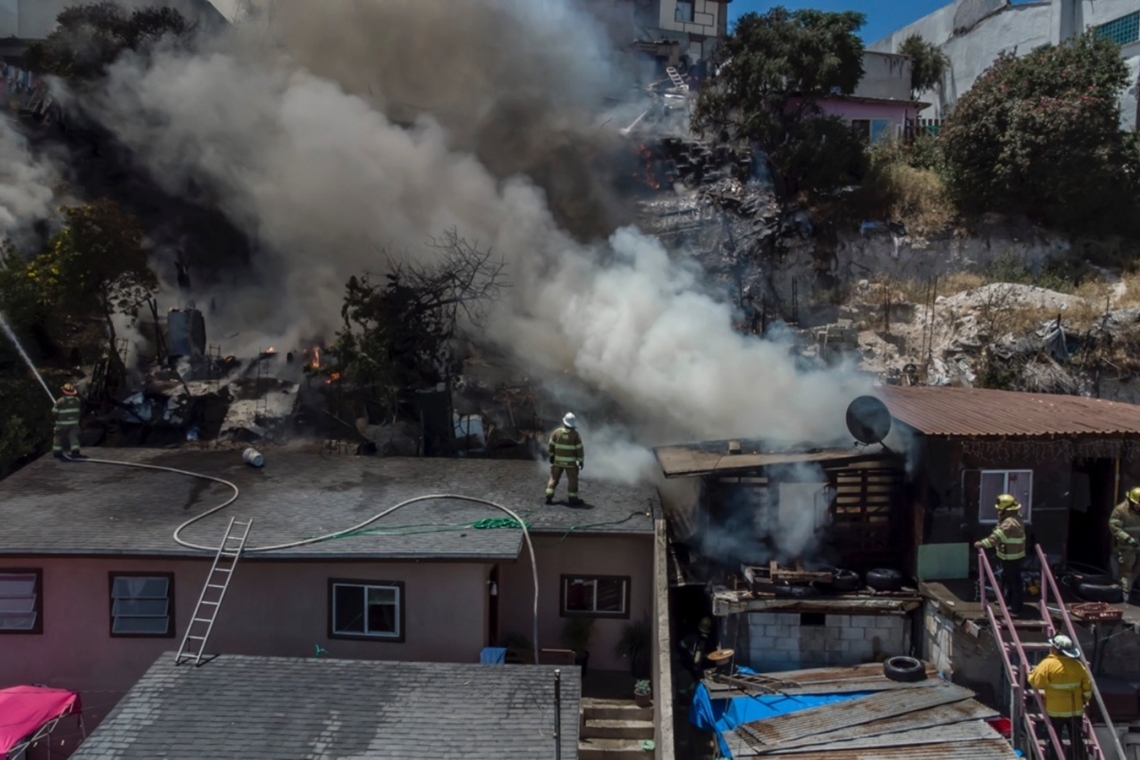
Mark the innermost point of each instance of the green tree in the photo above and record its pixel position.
(1040, 135)
(928, 63)
(89, 38)
(766, 81)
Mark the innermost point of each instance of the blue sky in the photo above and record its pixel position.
(883, 16)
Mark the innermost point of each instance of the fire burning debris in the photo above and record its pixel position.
(655, 172)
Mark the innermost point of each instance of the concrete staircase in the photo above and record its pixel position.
(613, 729)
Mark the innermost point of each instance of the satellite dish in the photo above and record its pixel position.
(868, 419)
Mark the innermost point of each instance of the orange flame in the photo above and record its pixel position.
(316, 364)
(332, 378)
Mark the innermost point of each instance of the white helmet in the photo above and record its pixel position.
(1064, 645)
(570, 420)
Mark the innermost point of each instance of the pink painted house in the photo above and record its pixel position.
(882, 106)
(94, 588)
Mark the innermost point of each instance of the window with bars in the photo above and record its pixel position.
(595, 596)
(366, 610)
(142, 604)
(21, 601)
(1018, 483)
(1123, 31)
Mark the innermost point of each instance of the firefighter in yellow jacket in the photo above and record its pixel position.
(1068, 689)
(1124, 524)
(1008, 541)
(66, 432)
(566, 455)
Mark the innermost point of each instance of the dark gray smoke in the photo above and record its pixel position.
(26, 182)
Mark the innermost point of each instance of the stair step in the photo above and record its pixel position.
(611, 749)
(617, 729)
(614, 709)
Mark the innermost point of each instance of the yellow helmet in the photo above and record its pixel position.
(1006, 503)
(1134, 495)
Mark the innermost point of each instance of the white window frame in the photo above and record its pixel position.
(14, 605)
(577, 580)
(691, 5)
(150, 607)
(986, 507)
(365, 587)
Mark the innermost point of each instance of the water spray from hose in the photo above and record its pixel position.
(24, 355)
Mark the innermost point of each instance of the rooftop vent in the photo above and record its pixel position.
(733, 448)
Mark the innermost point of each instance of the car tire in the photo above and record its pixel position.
(885, 579)
(846, 580)
(796, 592)
(1101, 592)
(904, 669)
(1079, 574)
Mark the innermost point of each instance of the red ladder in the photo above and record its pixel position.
(1027, 708)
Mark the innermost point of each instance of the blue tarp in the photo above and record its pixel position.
(722, 715)
(493, 656)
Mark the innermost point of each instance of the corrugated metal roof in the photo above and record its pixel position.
(990, 749)
(958, 732)
(821, 720)
(975, 412)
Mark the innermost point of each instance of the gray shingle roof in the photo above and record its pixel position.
(278, 708)
(52, 507)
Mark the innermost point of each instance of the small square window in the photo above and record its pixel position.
(142, 604)
(366, 610)
(21, 601)
(595, 595)
(684, 12)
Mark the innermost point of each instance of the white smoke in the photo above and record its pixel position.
(26, 182)
(323, 179)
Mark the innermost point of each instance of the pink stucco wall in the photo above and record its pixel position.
(582, 555)
(271, 608)
(897, 112)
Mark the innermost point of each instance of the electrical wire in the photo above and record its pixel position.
(330, 536)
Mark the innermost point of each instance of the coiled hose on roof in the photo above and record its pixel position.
(329, 536)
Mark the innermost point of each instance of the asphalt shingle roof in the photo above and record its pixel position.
(52, 507)
(278, 708)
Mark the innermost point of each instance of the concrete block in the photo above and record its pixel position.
(761, 643)
(787, 618)
(862, 649)
(704, 19)
(787, 645)
(841, 621)
(778, 631)
(835, 645)
(852, 634)
(864, 621)
(883, 634)
(759, 618)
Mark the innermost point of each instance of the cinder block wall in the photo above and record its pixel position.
(790, 640)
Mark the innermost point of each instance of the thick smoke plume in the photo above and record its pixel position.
(379, 124)
(26, 182)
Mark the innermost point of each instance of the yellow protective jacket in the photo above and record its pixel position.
(566, 448)
(1066, 684)
(1008, 538)
(1124, 523)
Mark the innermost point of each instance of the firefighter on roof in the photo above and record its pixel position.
(66, 432)
(1008, 539)
(566, 455)
(1124, 525)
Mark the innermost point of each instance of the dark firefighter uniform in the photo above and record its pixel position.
(1124, 524)
(66, 413)
(566, 455)
(1008, 541)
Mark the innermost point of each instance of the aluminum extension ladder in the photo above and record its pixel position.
(676, 79)
(217, 581)
(1027, 714)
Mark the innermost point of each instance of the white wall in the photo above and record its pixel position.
(777, 640)
(1015, 27)
(8, 26)
(885, 76)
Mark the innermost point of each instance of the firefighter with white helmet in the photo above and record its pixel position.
(1068, 689)
(1124, 525)
(1008, 542)
(567, 455)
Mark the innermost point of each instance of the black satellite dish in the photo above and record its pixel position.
(868, 419)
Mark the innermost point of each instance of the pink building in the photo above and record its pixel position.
(94, 588)
(882, 105)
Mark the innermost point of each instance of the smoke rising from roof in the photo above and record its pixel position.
(26, 182)
(301, 147)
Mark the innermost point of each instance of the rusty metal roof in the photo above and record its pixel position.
(976, 412)
(989, 749)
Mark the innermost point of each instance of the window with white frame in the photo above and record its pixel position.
(366, 609)
(1018, 483)
(142, 604)
(684, 12)
(21, 602)
(595, 596)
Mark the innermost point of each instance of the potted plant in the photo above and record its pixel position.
(576, 635)
(643, 693)
(636, 643)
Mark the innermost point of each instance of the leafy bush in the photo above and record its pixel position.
(1040, 135)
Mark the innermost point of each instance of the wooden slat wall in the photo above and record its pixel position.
(866, 518)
